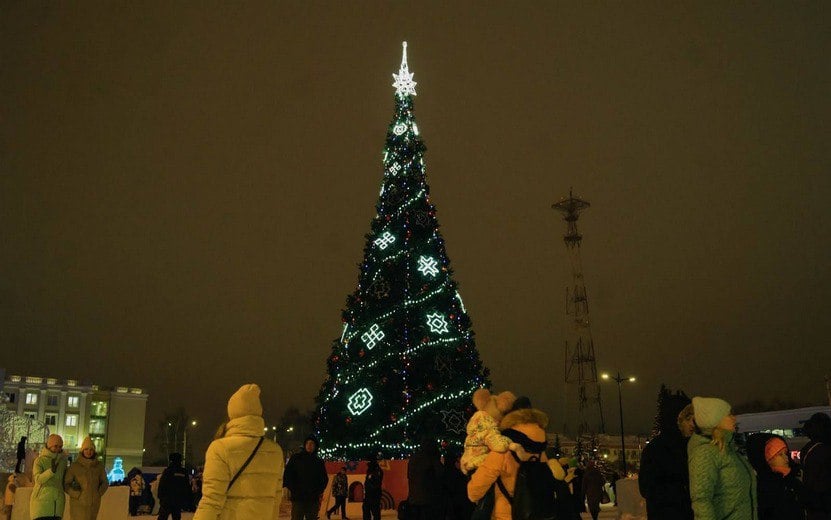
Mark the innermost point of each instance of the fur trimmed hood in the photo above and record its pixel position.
(524, 416)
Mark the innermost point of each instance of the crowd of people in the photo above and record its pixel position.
(694, 469)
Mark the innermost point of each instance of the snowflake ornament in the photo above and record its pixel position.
(373, 336)
(385, 240)
(427, 266)
(404, 84)
(453, 420)
(437, 323)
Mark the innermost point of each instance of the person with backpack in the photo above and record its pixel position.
(525, 487)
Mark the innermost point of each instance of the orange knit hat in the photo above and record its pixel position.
(773, 446)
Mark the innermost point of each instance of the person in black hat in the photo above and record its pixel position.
(174, 489)
(306, 479)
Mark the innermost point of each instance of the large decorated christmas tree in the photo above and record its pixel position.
(405, 364)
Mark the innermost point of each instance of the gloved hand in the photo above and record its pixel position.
(55, 464)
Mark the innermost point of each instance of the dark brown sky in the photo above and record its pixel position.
(184, 189)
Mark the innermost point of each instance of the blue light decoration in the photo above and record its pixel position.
(117, 473)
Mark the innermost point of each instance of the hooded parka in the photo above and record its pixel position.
(258, 491)
(85, 482)
(47, 497)
(528, 421)
(722, 483)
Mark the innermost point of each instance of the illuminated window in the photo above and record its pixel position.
(71, 420)
(73, 401)
(98, 409)
(97, 426)
(51, 419)
(31, 398)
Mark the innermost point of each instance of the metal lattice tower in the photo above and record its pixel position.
(580, 365)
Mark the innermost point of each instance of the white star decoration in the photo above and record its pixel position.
(437, 323)
(404, 84)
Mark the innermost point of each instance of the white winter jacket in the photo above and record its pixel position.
(257, 492)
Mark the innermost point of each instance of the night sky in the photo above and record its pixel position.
(185, 189)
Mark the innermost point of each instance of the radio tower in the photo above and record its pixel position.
(580, 366)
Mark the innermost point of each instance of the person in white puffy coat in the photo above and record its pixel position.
(257, 491)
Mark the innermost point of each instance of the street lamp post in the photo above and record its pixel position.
(618, 379)
(185, 442)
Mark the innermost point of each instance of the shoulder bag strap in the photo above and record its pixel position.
(504, 490)
(257, 447)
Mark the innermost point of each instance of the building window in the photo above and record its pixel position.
(51, 419)
(73, 401)
(51, 400)
(69, 440)
(71, 420)
(97, 426)
(31, 398)
(98, 409)
(31, 415)
(12, 396)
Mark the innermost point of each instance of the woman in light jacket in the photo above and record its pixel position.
(47, 499)
(85, 482)
(722, 482)
(530, 424)
(258, 489)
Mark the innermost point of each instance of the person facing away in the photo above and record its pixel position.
(722, 482)
(258, 489)
(340, 489)
(306, 479)
(778, 487)
(174, 489)
(592, 486)
(664, 480)
(85, 482)
(816, 467)
(424, 478)
(526, 425)
(48, 500)
(454, 485)
(373, 484)
(21, 455)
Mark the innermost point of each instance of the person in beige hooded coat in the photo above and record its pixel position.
(257, 492)
(527, 421)
(85, 482)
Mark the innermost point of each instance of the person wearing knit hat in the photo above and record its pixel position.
(48, 499)
(232, 489)
(722, 482)
(85, 482)
(778, 486)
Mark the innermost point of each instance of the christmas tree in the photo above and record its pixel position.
(405, 365)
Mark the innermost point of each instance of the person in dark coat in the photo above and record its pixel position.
(816, 467)
(306, 478)
(424, 479)
(777, 484)
(664, 480)
(174, 489)
(454, 485)
(21, 456)
(340, 489)
(372, 490)
(592, 486)
(135, 480)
